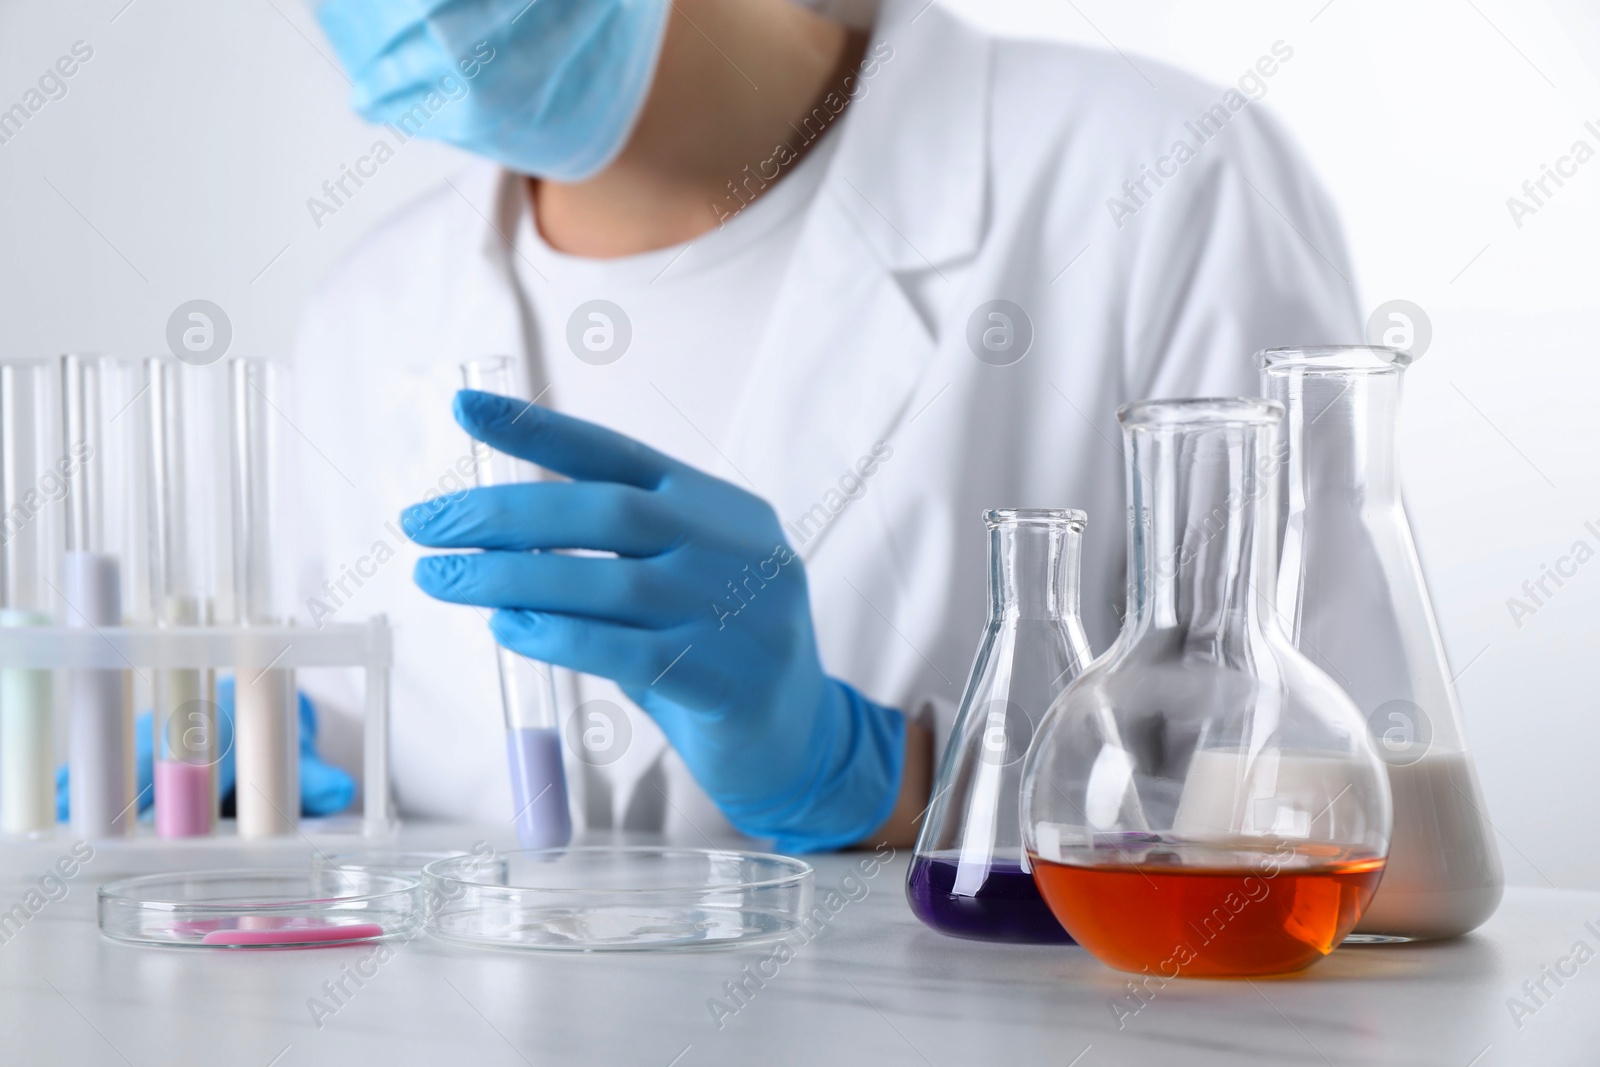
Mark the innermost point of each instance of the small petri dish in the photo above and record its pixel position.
(609, 899)
(260, 908)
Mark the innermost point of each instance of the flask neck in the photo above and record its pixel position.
(1033, 566)
(1200, 546)
(1339, 429)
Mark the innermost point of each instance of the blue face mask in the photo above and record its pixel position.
(549, 88)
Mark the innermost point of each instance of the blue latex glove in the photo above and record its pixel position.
(702, 617)
(324, 788)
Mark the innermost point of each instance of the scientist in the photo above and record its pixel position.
(800, 290)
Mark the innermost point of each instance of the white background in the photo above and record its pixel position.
(179, 164)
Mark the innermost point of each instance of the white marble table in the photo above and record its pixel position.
(874, 988)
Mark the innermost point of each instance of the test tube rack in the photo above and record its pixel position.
(368, 646)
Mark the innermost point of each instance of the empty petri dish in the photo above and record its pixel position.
(260, 908)
(602, 898)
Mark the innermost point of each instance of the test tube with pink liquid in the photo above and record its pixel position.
(527, 688)
(184, 700)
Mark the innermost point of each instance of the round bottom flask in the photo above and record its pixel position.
(1203, 800)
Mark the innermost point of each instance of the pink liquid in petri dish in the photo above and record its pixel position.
(310, 933)
(185, 799)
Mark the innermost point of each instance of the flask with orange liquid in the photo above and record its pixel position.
(1203, 800)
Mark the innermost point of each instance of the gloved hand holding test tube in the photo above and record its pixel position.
(609, 573)
(527, 688)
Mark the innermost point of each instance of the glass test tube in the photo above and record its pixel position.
(102, 790)
(527, 688)
(29, 483)
(266, 719)
(184, 700)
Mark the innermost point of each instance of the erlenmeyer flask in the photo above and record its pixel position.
(1203, 800)
(1351, 592)
(969, 876)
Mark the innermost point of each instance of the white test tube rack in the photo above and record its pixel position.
(368, 646)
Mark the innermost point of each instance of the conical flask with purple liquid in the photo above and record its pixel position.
(969, 876)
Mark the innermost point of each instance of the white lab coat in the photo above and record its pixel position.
(971, 169)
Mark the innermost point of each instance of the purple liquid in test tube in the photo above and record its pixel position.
(539, 787)
(527, 689)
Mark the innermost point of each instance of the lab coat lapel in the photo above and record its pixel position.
(827, 383)
(845, 348)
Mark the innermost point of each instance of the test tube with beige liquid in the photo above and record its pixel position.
(266, 722)
(184, 726)
(31, 481)
(102, 790)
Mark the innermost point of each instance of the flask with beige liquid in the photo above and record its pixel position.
(1351, 593)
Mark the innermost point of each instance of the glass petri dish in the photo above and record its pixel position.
(613, 898)
(407, 863)
(260, 908)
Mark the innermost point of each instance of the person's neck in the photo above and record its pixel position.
(736, 87)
